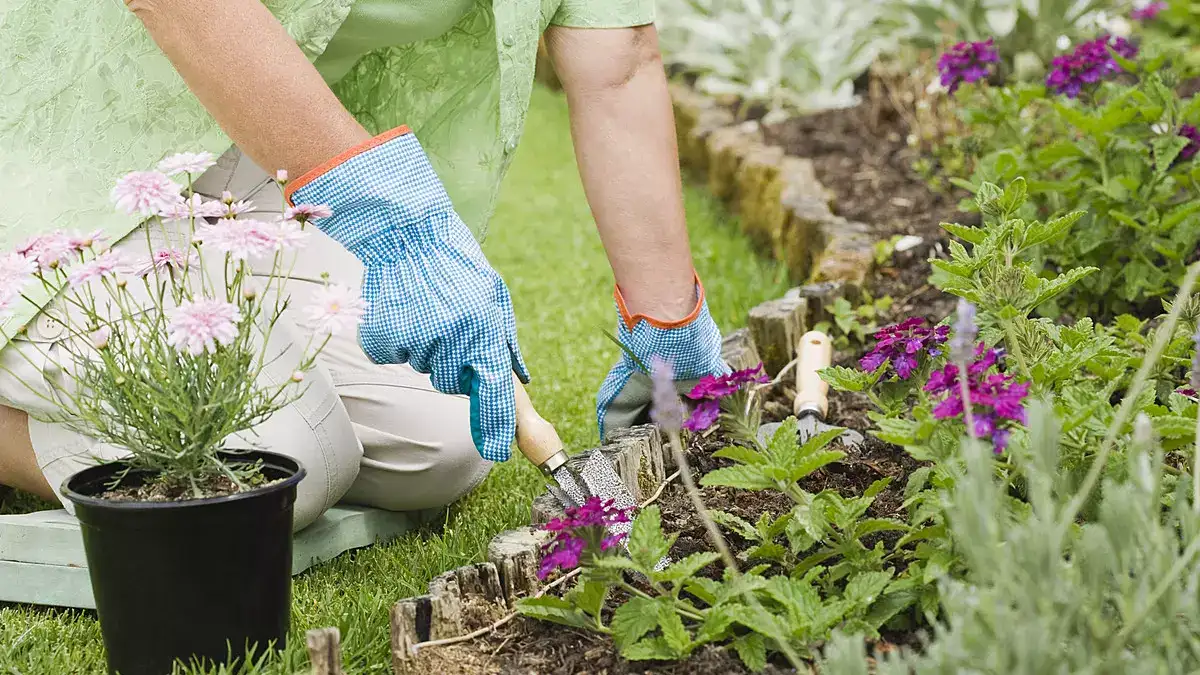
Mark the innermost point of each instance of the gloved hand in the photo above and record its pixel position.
(691, 345)
(434, 301)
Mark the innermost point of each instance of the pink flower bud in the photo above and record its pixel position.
(281, 176)
(298, 376)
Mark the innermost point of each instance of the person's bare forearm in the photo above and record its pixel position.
(624, 136)
(253, 79)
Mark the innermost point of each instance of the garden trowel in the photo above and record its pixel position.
(814, 353)
(540, 444)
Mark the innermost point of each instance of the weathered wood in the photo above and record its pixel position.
(776, 326)
(410, 625)
(546, 507)
(821, 297)
(516, 554)
(739, 351)
(480, 580)
(324, 651)
(848, 255)
(637, 452)
(445, 607)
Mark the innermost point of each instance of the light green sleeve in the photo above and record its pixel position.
(604, 13)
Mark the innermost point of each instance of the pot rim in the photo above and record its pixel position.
(81, 499)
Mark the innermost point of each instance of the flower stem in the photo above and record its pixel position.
(1010, 336)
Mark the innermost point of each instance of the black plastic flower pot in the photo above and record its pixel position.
(202, 579)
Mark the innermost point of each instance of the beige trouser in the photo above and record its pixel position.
(377, 435)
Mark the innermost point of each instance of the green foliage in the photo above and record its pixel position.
(1115, 594)
(1025, 31)
(786, 54)
(854, 324)
(1113, 155)
(820, 573)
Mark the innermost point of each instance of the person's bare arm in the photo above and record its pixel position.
(253, 79)
(624, 136)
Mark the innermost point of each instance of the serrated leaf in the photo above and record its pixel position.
(673, 631)
(798, 597)
(715, 627)
(845, 379)
(741, 476)
(554, 609)
(647, 543)
(751, 648)
(741, 455)
(589, 596)
(686, 568)
(865, 587)
(1166, 150)
(634, 619)
(811, 463)
(1013, 197)
(650, 649)
(1060, 284)
(741, 526)
(768, 551)
(916, 482)
(1051, 230)
(703, 588)
(876, 487)
(973, 235)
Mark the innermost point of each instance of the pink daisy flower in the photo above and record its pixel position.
(168, 260)
(81, 242)
(289, 234)
(233, 209)
(15, 272)
(110, 263)
(187, 162)
(195, 206)
(100, 337)
(336, 308)
(307, 212)
(198, 326)
(240, 239)
(48, 251)
(146, 193)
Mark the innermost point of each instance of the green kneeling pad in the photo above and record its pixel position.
(42, 560)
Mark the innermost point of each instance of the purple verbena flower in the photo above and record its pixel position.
(1186, 391)
(901, 344)
(1148, 12)
(997, 400)
(581, 535)
(1088, 64)
(1193, 135)
(967, 62)
(712, 388)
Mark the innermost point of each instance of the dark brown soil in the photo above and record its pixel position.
(174, 491)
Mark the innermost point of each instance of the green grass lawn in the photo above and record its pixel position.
(542, 240)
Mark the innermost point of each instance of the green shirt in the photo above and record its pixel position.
(86, 96)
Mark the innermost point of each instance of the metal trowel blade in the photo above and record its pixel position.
(808, 426)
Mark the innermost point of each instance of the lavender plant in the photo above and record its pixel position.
(167, 346)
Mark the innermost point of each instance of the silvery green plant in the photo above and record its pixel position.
(1099, 576)
(1029, 33)
(790, 55)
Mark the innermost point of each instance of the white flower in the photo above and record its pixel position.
(199, 326)
(1063, 42)
(241, 239)
(110, 263)
(187, 162)
(336, 308)
(146, 193)
(289, 234)
(195, 206)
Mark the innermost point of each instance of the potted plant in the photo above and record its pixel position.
(188, 543)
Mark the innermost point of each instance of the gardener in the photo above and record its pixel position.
(98, 99)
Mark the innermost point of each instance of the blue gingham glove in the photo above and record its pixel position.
(692, 346)
(435, 302)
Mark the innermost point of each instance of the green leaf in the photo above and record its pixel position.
(589, 596)
(877, 487)
(703, 588)
(715, 627)
(741, 476)
(798, 597)
(751, 648)
(634, 619)
(864, 588)
(916, 482)
(769, 551)
(681, 570)
(1013, 197)
(740, 455)
(814, 461)
(846, 379)
(647, 544)
(872, 525)
(973, 235)
(742, 527)
(673, 630)
(554, 609)
(1166, 149)
(650, 649)
(1052, 230)
(1057, 286)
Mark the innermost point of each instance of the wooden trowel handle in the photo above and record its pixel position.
(815, 352)
(536, 437)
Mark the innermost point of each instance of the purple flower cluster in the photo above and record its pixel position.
(581, 533)
(712, 388)
(995, 397)
(899, 345)
(1088, 64)
(1149, 12)
(1192, 134)
(967, 62)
